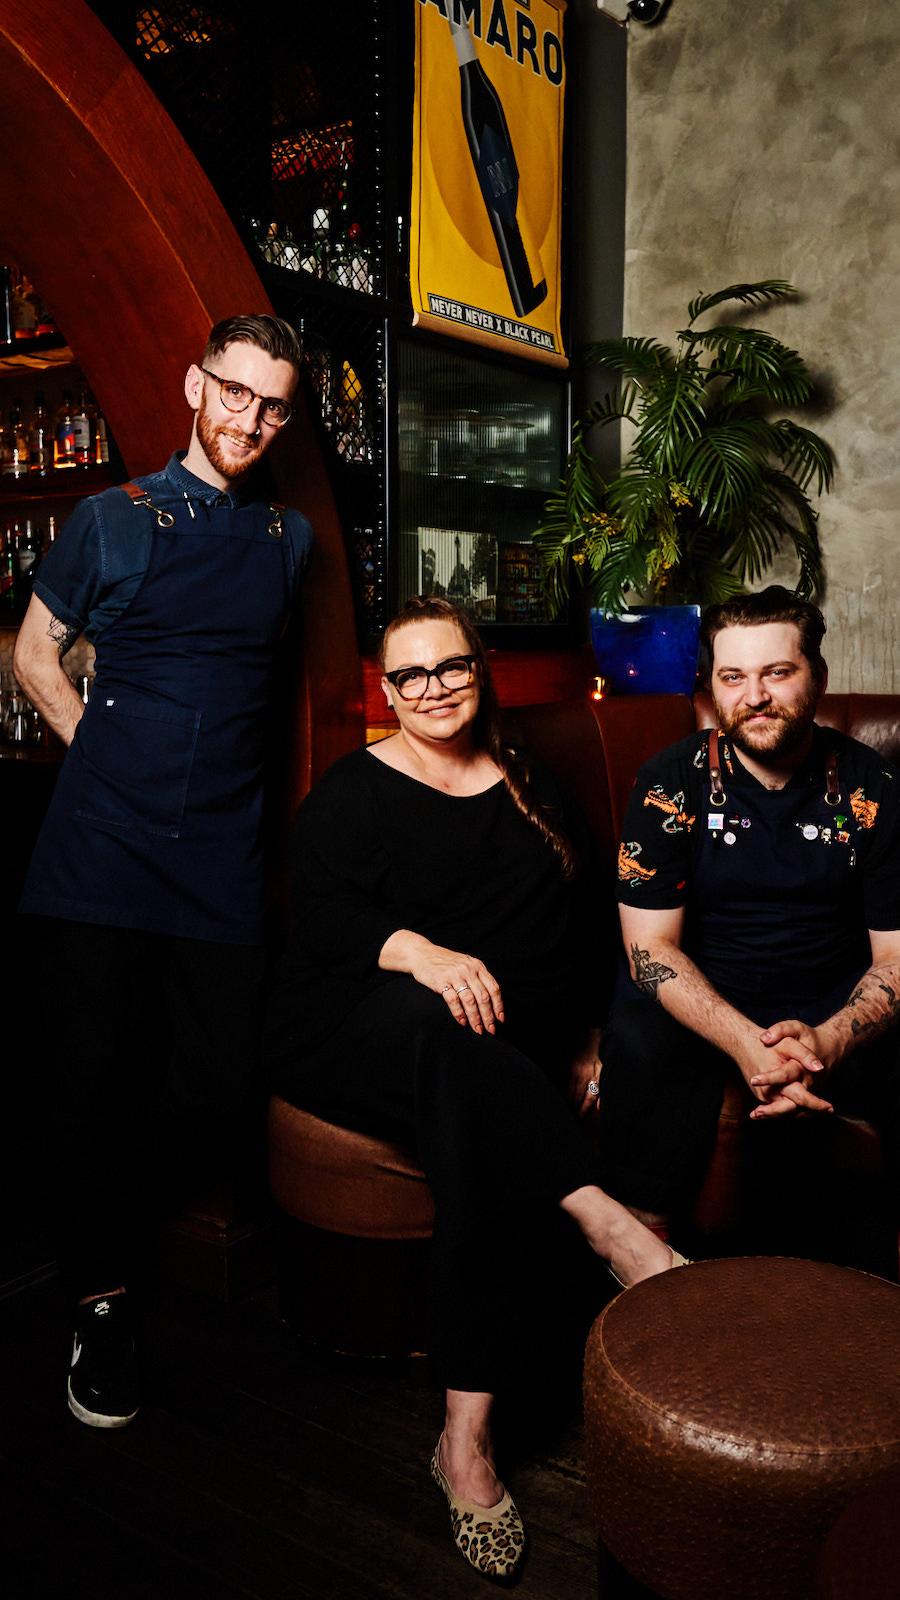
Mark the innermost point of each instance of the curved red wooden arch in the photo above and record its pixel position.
(108, 211)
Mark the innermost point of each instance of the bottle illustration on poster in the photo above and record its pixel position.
(495, 165)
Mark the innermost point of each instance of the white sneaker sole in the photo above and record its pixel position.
(97, 1419)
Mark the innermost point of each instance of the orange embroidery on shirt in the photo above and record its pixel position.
(677, 819)
(865, 811)
(630, 871)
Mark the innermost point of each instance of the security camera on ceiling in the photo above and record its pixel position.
(624, 11)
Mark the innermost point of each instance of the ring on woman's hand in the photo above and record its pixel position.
(463, 987)
(593, 1088)
(447, 988)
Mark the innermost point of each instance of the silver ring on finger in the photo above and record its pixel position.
(463, 987)
(447, 989)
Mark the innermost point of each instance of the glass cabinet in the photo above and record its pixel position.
(479, 446)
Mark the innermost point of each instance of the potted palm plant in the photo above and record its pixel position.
(714, 484)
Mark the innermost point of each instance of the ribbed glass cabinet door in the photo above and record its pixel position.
(479, 448)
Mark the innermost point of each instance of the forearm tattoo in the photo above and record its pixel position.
(62, 634)
(648, 975)
(879, 997)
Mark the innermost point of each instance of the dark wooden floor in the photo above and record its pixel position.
(257, 1468)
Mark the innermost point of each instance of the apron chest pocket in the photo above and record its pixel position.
(136, 759)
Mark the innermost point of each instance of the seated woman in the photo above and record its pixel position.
(430, 995)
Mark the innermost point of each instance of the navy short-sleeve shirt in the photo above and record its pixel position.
(96, 566)
(780, 886)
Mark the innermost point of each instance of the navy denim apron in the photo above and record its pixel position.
(155, 821)
(758, 850)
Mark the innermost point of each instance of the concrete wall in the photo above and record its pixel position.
(597, 131)
(763, 142)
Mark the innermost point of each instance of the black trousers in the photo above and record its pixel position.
(496, 1139)
(149, 1084)
(661, 1094)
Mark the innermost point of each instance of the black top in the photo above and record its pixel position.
(780, 886)
(375, 850)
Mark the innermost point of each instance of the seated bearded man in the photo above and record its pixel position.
(759, 890)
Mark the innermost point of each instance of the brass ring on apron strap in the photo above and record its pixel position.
(832, 782)
(140, 497)
(276, 528)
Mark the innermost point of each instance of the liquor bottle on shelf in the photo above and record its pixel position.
(350, 260)
(24, 309)
(7, 573)
(307, 261)
(40, 438)
(81, 428)
(495, 166)
(14, 463)
(101, 441)
(6, 321)
(64, 433)
(46, 320)
(321, 228)
(51, 531)
(352, 435)
(28, 552)
(360, 276)
(291, 252)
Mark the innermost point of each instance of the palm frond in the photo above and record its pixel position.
(709, 576)
(804, 455)
(802, 528)
(565, 516)
(624, 568)
(611, 408)
(722, 472)
(634, 358)
(755, 545)
(639, 498)
(672, 418)
(758, 294)
(750, 357)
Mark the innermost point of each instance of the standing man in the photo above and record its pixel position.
(149, 868)
(759, 889)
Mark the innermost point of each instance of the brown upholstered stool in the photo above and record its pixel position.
(353, 1255)
(732, 1409)
(861, 1558)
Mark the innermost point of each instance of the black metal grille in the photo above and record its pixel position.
(283, 106)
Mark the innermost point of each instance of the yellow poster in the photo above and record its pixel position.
(485, 235)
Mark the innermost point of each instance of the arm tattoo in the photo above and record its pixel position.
(648, 975)
(62, 634)
(889, 1005)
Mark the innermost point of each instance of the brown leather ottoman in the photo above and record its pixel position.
(353, 1250)
(732, 1409)
(861, 1556)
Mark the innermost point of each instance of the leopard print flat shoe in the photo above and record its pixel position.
(492, 1538)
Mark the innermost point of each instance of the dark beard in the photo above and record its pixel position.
(208, 435)
(785, 732)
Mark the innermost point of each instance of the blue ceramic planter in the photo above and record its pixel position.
(648, 649)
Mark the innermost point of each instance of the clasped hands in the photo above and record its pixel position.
(471, 992)
(780, 1065)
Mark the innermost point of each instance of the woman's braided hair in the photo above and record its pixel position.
(486, 727)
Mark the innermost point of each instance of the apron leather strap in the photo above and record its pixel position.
(140, 497)
(717, 793)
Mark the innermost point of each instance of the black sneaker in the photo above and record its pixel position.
(103, 1380)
